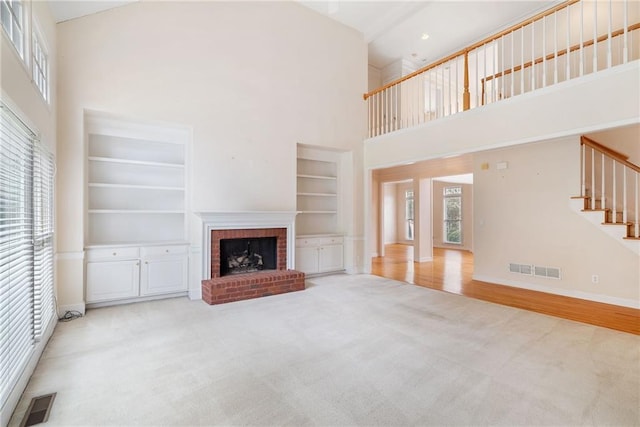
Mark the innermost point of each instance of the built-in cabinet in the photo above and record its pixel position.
(135, 235)
(319, 225)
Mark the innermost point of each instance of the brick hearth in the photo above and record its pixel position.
(251, 285)
(219, 290)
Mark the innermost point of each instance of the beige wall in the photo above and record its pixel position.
(401, 224)
(251, 79)
(522, 215)
(438, 216)
(390, 215)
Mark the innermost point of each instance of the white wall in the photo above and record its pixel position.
(522, 215)
(389, 209)
(401, 214)
(250, 79)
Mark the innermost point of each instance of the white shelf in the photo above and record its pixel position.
(135, 162)
(125, 244)
(132, 211)
(318, 194)
(318, 212)
(134, 187)
(317, 176)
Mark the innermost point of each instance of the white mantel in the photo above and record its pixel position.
(252, 219)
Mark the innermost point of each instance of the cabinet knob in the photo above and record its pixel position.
(146, 262)
(167, 250)
(115, 253)
(137, 264)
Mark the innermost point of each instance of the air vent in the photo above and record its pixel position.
(38, 411)
(549, 272)
(520, 268)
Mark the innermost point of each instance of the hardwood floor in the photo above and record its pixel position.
(452, 270)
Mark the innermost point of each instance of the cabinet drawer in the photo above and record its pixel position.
(304, 243)
(155, 251)
(334, 240)
(104, 254)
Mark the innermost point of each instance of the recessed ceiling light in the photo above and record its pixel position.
(425, 36)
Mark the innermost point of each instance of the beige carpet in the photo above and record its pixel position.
(350, 350)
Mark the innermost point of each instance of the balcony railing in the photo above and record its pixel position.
(573, 39)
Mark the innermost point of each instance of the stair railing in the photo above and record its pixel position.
(572, 39)
(611, 183)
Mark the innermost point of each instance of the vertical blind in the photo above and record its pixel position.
(26, 246)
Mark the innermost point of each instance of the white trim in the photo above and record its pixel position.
(68, 256)
(606, 299)
(425, 259)
(252, 219)
(136, 299)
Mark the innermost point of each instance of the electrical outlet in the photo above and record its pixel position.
(595, 279)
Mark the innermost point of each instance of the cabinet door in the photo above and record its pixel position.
(164, 275)
(112, 280)
(307, 259)
(330, 258)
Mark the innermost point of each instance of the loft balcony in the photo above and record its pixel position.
(571, 41)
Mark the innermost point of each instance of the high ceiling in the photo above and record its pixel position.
(393, 29)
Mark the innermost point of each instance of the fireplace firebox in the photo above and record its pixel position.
(247, 255)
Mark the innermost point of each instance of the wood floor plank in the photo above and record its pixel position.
(452, 271)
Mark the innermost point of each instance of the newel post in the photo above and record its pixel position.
(466, 96)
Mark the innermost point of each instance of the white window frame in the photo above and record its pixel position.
(40, 66)
(17, 36)
(449, 193)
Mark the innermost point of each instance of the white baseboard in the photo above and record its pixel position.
(426, 259)
(623, 302)
(80, 307)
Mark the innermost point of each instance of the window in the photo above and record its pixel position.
(408, 195)
(452, 215)
(40, 66)
(26, 247)
(12, 15)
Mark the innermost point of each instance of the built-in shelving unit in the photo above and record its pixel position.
(319, 228)
(136, 209)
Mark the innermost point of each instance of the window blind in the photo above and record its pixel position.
(43, 168)
(26, 246)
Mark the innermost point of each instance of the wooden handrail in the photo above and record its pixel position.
(472, 47)
(619, 157)
(562, 52)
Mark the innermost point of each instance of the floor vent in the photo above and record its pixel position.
(38, 411)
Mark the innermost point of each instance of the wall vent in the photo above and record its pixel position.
(521, 268)
(549, 272)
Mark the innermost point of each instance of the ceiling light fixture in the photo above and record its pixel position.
(425, 36)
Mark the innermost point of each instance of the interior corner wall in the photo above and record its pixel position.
(401, 215)
(522, 215)
(251, 80)
(438, 216)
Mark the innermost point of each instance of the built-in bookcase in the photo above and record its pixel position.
(135, 184)
(136, 210)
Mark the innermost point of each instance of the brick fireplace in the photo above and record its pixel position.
(247, 228)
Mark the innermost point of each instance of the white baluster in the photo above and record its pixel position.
(377, 103)
(625, 50)
(583, 177)
(593, 178)
(502, 68)
(624, 194)
(555, 47)
(637, 214)
(457, 93)
(581, 38)
(533, 56)
(544, 50)
(477, 54)
(568, 9)
(513, 64)
(522, 61)
(603, 188)
(449, 88)
(615, 202)
(369, 116)
(595, 36)
(609, 35)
